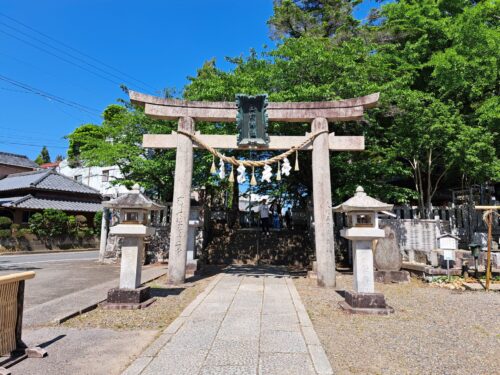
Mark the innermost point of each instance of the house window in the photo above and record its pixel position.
(78, 178)
(26, 216)
(105, 176)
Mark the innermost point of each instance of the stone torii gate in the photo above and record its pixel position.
(318, 113)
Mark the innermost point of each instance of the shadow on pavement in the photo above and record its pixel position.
(14, 359)
(17, 268)
(258, 271)
(165, 292)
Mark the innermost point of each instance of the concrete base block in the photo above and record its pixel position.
(4, 371)
(128, 306)
(388, 277)
(353, 310)
(119, 295)
(191, 267)
(365, 303)
(128, 299)
(36, 352)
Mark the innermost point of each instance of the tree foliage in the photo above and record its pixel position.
(43, 157)
(435, 63)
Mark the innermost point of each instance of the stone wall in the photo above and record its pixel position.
(156, 247)
(29, 242)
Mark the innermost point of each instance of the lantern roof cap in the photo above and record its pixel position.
(133, 199)
(362, 202)
(446, 234)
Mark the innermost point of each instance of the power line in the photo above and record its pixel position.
(61, 58)
(27, 138)
(22, 132)
(32, 145)
(45, 94)
(75, 50)
(45, 71)
(62, 51)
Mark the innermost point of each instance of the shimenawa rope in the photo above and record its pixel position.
(250, 163)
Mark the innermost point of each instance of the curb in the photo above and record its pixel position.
(35, 252)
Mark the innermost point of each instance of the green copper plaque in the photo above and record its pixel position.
(252, 120)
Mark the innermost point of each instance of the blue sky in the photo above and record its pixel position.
(146, 45)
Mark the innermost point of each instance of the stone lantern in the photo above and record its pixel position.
(362, 220)
(134, 211)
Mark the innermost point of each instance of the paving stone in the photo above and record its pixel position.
(176, 361)
(285, 363)
(282, 342)
(193, 337)
(228, 370)
(233, 353)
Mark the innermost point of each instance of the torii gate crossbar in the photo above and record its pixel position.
(318, 113)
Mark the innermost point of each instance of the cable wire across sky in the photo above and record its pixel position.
(106, 73)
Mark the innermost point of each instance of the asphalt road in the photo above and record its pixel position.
(58, 274)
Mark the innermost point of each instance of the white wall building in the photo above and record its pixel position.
(99, 178)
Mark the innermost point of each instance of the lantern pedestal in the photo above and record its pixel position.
(365, 303)
(128, 299)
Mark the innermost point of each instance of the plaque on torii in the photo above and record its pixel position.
(318, 113)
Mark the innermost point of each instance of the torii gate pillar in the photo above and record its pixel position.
(180, 204)
(322, 199)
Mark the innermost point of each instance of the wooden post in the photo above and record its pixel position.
(322, 199)
(488, 257)
(492, 212)
(180, 204)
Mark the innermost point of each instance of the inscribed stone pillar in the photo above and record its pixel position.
(323, 220)
(363, 267)
(104, 234)
(180, 204)
(131, 263)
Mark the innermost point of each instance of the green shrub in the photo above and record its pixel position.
(49, 224)
(80, 219)
(5, 222)
(5, 233)
(23, 231)
(97, 222)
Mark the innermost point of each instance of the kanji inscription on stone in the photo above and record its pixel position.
(251, 120)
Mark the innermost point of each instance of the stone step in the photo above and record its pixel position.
(252, 247)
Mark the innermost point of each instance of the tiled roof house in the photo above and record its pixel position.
(22, 194)
(14, 163)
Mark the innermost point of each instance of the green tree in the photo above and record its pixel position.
(43, 157)
(320, 18)
(117, 141)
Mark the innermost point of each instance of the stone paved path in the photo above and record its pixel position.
(248, 321)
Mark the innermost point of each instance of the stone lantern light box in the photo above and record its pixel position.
(134, 210)
(363, 227)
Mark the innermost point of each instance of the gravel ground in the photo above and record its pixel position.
(433, 330)
(170, 302)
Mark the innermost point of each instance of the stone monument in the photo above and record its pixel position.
(388, 259)
(134, 211)
(362, 229)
